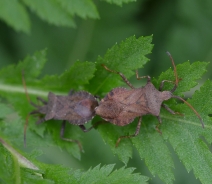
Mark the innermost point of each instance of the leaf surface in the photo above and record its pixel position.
(15, 15)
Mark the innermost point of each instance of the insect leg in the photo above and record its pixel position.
(94, 126)
(129, 136)
(71, 92)
(175, 74)
(162, 84)
(41, 120)
(42, 100)
(84, 129)
(27, 122)
(122, 76)
(25, 128)
(170, 110)
(62, 130)
(157, 127)
(147, 76)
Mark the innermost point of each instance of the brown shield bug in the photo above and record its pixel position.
(77, 108)
(121, 106)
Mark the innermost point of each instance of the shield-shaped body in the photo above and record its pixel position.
(121, 106)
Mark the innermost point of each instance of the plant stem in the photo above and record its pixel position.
(23, 161)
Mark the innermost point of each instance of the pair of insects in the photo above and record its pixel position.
(120, 106)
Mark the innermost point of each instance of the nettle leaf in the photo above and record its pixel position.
(31, 67)
(125, 57)
(56, 12)
(119, 2)
(83, 8)
(150, 144)
(8, 166)
(13, 163)
(188, 138)
(74, 78)
(186, 72)
(184, 133)
(15, 15)
(51, 11)
(11, 87)
(16, 168)
(110, 134)
(105, 175)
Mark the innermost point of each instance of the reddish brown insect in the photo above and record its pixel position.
(76, 108)
(121, 106)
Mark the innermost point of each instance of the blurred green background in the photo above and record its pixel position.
(182, 27)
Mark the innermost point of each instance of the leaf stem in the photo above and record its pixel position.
(23, 161)
(20, 89)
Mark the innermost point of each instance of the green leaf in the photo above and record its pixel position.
(105, 175)
(119, 2)
(16, 168)
(110, 134)
(83, 8)
(149, 143)
(56, 12)
(51, 11)
(186, 72)
(11, 87)
(185, 134)
(8, 167)
(15, 15)
(31, 66)
(127, 56)
(153, 150)
(61, 174)
(182, 133)
(74, 78)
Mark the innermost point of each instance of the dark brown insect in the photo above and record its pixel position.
(76, 108)
(121, 106)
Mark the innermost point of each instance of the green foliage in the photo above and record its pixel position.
(184, 133)
(15, 15)
(56, 12)
(119, 2)
(96, 175)
(127, 56)
(30, 67)
(83, 9)
(9, 170)
(45, 9)
(18, 168)
(149, 143)
(188, 73)
(74, 78)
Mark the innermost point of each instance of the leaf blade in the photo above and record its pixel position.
(44, 10)
(83, 8)
(125, 57)
(17, 18)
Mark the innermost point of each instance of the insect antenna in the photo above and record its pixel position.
(121, 75)
(175, 73)
(175, 87)
(188, 104)
(28, 98)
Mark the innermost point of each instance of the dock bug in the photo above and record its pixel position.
(77, 108)
(121, 106)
